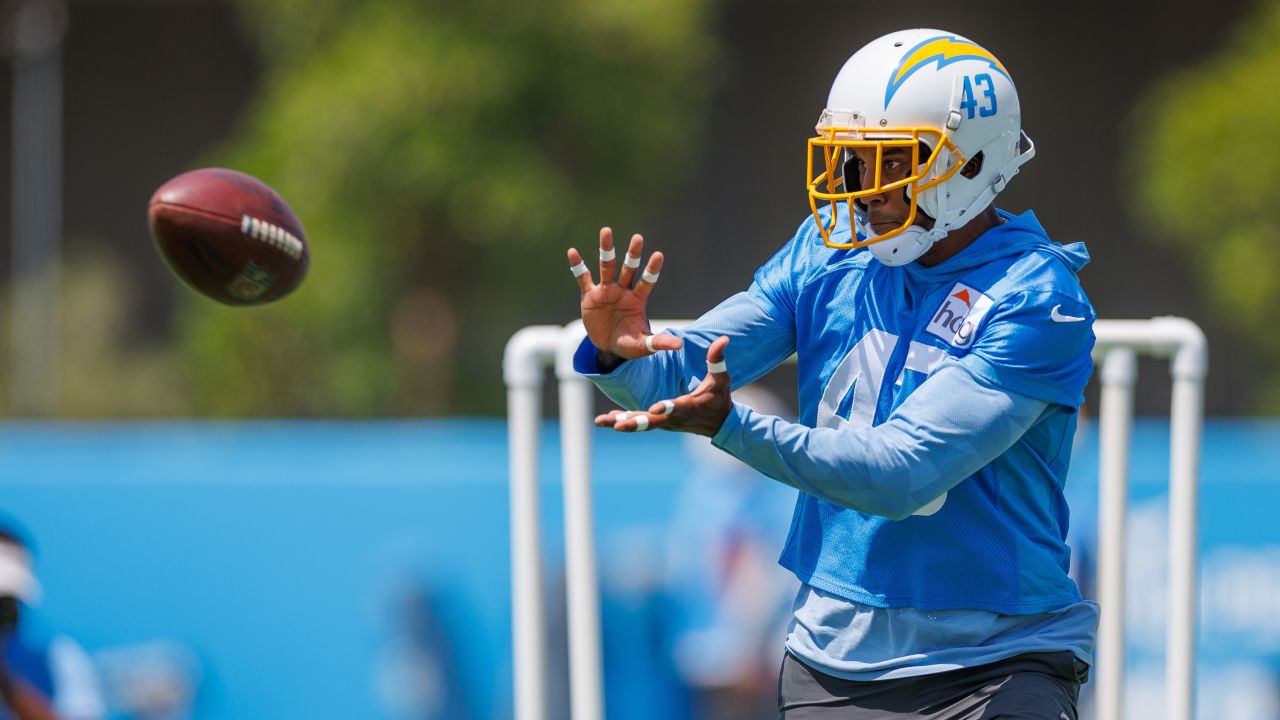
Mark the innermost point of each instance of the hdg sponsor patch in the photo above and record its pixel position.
(957, 320)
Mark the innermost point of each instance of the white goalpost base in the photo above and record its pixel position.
(531, 350)
(1183, 344)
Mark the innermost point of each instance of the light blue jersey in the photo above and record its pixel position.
(937, 410)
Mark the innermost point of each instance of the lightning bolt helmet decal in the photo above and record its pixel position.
(944, 50)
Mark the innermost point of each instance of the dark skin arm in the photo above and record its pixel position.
(613, 313)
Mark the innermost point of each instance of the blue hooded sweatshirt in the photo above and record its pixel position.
(951, 499)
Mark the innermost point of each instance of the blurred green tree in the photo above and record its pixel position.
(441, 156)
(1207, 174)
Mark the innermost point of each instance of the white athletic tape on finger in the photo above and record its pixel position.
(642, 423)
(648, 344)
(580, 269)
(608, 255)
(717, 367)
(649, 277)
(668, 407)
(631, 261)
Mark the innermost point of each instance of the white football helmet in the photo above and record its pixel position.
(946, 99)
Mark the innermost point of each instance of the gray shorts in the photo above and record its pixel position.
(1033, 686)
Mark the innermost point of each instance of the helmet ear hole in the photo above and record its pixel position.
(973, 167)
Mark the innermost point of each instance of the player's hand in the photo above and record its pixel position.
(613, 311)
(701, 412)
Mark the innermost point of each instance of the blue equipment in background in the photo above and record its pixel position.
(360, 569)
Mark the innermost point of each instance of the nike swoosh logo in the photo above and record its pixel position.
(1056, 316)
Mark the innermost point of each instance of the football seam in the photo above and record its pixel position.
(199, 211)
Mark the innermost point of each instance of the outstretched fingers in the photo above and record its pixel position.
(608, 419)
(664, 408)
(580, 271)
(649, 276)
(662, 341)
(631, 261)
(717, 378)
(630, 420)
(608, 257)
(716, 367)
(609, 265)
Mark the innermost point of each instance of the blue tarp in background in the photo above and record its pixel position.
(323, 569)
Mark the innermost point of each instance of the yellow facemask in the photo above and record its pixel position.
(829, 147)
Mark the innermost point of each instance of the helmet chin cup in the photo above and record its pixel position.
(905, 247)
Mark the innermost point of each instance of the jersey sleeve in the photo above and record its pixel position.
(951, 426)
(1037, 344)
(759, 340)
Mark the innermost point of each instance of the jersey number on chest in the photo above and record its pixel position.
(863, 370)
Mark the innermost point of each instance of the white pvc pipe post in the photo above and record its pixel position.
(586, 681)
(1115, 426)
(582, 597)
(523, 365)
(1183, 342)
(1190, 364)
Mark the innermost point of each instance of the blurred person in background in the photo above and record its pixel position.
(417, 675)
(944, 348)
(150, 680)
(730, 598)
(42, 676)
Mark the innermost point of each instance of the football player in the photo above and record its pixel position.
(943, 350)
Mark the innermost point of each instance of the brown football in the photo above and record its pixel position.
(229, 236)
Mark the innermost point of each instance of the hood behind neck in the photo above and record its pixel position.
(1018, 235)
